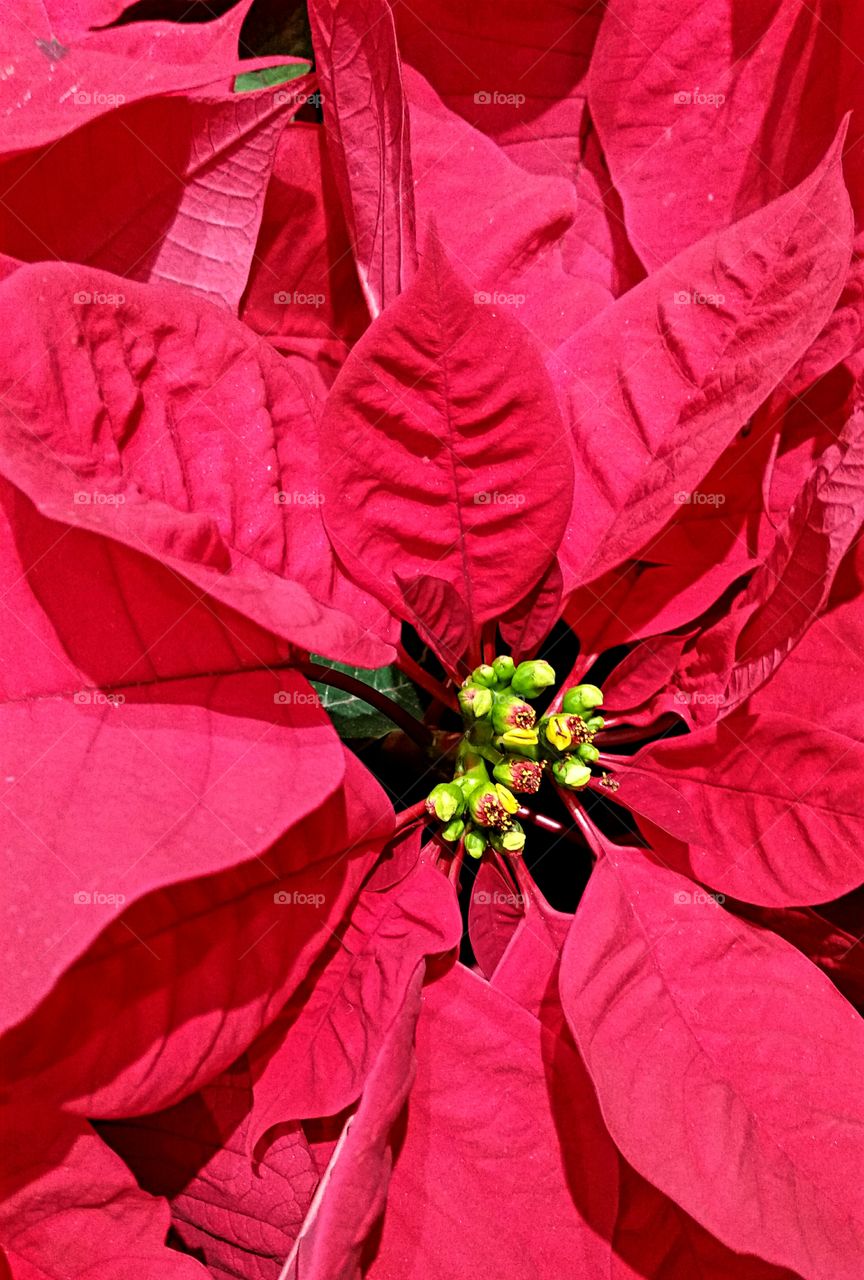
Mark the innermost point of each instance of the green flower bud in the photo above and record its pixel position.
(582, 699)
(466, 786)
(511, 713)
(491, 805)
(588, 752)
(445, 801)
(531, 678)
(595, 724)
(504, 666)
(453, 831)
(571, 773)
(475, 701)
(510, 841)
(522, 741)
(483, 675)
(523, 776)
(475, 844)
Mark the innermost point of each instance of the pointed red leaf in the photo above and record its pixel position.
(494, 912)
(366, 117)
(832, 652)
(174, 431)
(55, 87)
(240, 1213)
(727, 1066)
(171, 189)
(525, 628)
(71, 1207)
(503, 1130)
(521, 265)
(655, 1237)
(644, 671)
(836, 952)
(303, 293)
(788, 591)
(778, 807)
(443, 404)
(315, 1058)
(528, 969)
(708, 112)
(534, 107)
(662, 380)
(182, 979)
(354, 1187)
(436, 609)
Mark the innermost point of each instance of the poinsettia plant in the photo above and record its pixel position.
(432, 473)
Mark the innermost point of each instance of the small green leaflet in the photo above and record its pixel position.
(265, 79)
(354, 718)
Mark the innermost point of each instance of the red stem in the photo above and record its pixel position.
(591, 834)
(635, 734)
(414, 729)
(523, 877)
(586, 664)
(547, 824)
(610, 761)
(503, 865)
(488, 643)
(455, 868)
(583, 665)
(433, 687)
(407, 817)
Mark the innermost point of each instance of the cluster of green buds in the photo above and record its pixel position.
(505, 751)
(477, 809)
(498, 757)
(567, 737)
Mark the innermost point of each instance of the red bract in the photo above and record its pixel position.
(170, 189)
(782, 1120)
(497, 363)
(445, 404)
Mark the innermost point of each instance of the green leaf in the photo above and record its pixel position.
(250, 80)
(354, 718)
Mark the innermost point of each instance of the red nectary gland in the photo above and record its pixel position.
(491, 814)
(579, 729)
(527, 776)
